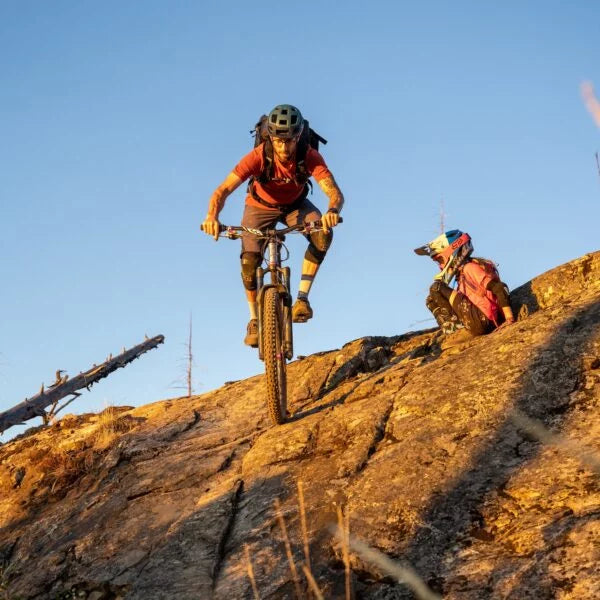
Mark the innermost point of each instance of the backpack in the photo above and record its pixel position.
(491, 269)
(308, 138)
(488, 266)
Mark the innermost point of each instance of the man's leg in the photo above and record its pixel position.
(251, 258)
(319, 243)
(250, 262)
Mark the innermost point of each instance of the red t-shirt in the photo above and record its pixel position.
(279, 193)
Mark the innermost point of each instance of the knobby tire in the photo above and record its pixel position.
(274, 356)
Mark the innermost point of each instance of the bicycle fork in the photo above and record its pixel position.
(288, 339)
(280, 278)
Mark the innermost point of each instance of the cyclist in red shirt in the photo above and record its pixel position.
(480, 302)
(279, 196)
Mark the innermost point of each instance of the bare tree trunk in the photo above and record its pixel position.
(190, 361)
(62, 387)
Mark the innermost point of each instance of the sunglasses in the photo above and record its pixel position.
(284, 141)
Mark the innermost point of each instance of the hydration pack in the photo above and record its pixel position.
(488, 266)
(308, 138)
(491, 270)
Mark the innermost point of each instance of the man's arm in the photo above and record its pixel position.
(336, 201)
(216, 203)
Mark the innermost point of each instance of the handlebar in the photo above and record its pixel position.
(235, 231)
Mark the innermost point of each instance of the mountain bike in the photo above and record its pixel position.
(275, 339)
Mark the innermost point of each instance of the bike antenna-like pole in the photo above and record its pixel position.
(442, 216)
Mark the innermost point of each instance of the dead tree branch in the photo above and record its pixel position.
(63, 386)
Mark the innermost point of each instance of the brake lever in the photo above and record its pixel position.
(318, 225)
(231, 234)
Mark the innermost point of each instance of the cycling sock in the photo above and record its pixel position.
(306, 282)
(253, 309)
(309, 271)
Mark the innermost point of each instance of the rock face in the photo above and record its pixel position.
(413, 435)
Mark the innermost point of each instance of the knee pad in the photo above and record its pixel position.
(250, 262)
(319, 244)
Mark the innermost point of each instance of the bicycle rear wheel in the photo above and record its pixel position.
(274, 355)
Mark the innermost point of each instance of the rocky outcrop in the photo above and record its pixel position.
(412, 435)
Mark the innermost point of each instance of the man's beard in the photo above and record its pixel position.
(286, 157)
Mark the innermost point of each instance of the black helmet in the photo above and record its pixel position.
(285, 121)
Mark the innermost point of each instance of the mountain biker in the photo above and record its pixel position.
(281, 198)
(480, 302)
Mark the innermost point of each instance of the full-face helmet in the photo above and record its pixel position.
(449, 251)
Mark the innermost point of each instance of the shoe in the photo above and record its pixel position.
(301, 311)
(449, 327)
(448, 322)
(251, 338)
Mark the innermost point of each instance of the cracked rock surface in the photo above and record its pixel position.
(414, 435)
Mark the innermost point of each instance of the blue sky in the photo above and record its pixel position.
(118, 120)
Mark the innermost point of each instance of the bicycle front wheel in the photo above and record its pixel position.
(274, 355)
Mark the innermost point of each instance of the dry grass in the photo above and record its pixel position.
(110, 426)
(589, 458)
(303, 523)
(312, 583)
(344, 528)
(251, 572)
(288, 548)
(313, 588)
(306, 567)
(62, 468)
(401, 572)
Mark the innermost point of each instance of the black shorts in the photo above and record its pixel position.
(265, 218)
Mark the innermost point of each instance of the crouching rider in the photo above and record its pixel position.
(279, 169)
(480, 301)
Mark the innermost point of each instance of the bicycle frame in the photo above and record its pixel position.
(274, 300)
(280, 276)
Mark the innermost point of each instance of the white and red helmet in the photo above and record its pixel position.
(449, 251)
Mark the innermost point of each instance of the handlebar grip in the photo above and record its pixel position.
(319, 222)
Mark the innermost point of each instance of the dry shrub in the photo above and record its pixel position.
(6, 481)
(110, 426)
(69, 421)
(62, 468)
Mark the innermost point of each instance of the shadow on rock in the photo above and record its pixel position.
(544, 390)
